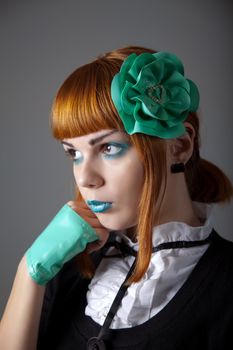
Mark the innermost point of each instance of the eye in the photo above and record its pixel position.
(114, 149)
(73, 154)
(111, 149)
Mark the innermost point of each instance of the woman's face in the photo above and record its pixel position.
(109, 176)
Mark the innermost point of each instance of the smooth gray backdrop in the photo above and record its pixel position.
(44, 41)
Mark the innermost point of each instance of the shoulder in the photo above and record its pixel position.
(219, 265)
(214, 272)
(221, 253)
(222, 248)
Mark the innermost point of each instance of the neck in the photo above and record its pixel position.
(177, 205)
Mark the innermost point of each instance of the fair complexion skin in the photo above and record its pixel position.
(101, 171)
(107, 169)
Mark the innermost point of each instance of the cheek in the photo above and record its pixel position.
(127, 182)
(127, 195)
(134, 187)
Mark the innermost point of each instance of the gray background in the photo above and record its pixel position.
(44, 41)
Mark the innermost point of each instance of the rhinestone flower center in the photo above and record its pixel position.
(156, 92)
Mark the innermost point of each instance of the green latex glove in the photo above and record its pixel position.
(66, 236)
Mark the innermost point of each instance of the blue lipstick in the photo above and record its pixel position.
(98, 206)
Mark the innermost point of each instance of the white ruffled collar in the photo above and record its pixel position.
(167, 272)
(176, 230)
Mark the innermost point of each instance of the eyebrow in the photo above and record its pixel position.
(98, 139)
(92, 142)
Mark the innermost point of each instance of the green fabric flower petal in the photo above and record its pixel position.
(115, 89)
(176, 79)
(194, 95)
(171, 58)
(161, 115)
(144, 79)
(127, 102)
(152, 95)
(140, 61)
(148, 108)
(124, 71)
(179, 100)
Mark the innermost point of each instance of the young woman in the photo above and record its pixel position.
(134, 260)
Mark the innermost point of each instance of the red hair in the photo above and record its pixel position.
(83, 105)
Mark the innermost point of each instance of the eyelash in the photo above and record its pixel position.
(122, 147)
(70, 152)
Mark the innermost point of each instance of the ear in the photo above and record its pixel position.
(181, 148)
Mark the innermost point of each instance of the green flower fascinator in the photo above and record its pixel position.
(152, 95)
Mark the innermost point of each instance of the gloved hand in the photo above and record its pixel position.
(66, 236)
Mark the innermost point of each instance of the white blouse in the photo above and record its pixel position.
(167, 272)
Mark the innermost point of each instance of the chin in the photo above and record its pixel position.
(111, 227)
(114, 225)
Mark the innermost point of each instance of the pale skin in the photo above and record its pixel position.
(107, 179)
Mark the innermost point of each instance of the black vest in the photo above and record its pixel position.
(199, 316)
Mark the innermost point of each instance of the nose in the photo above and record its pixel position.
(88, 175)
